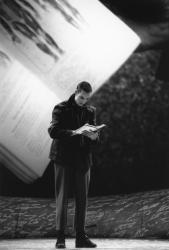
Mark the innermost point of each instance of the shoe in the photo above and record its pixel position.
(60, 243)
(84, 241)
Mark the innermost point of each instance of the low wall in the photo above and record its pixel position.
(140, 215)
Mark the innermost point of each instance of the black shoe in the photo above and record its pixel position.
(60, 243)
(84, 241)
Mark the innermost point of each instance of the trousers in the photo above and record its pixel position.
(64, 177)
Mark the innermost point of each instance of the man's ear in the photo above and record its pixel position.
(76, 91)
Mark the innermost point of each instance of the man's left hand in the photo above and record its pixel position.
(91, 135)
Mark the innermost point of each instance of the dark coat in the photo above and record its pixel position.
(67, 149)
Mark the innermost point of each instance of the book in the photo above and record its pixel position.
(41, 64)
(89, 128)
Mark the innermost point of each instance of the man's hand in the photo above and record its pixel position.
(91, 135)
(74, 132)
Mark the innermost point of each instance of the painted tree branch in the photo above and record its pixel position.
(149, 19)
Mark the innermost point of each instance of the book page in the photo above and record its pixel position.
(89, 128)
(66, 41)
(25, 115)
(48, 48)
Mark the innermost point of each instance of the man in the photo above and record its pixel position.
(72, 156)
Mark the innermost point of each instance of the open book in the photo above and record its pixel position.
(89, 128)
(41, 64)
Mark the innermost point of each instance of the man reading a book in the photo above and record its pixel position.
(71, 152)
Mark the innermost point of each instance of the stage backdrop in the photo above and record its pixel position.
(132, 155)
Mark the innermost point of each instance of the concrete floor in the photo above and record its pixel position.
(114, 244)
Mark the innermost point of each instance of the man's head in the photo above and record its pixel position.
(83, 93)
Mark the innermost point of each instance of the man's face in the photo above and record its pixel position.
(82, 97)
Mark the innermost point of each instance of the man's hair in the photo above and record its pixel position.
(85, 86)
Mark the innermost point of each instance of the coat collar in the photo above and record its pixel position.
(71, 102)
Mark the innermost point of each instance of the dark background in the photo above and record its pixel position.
(133, 152)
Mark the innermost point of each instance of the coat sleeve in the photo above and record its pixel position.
(92, 121)
(55, 130)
